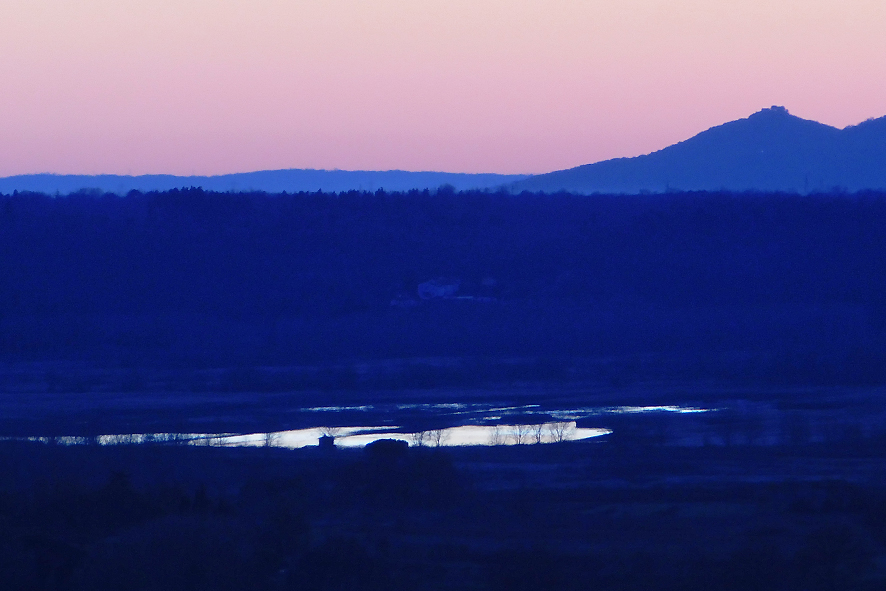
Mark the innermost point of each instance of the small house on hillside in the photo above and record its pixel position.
(438, 288)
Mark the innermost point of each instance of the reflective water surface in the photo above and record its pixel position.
(485, 426)
(351, 436)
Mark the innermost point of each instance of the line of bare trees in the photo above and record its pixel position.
(126, 439)
(430, 438)
(552, 432)
(522, 434)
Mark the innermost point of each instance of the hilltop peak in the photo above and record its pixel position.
(777, 116)
(771, 150)
(773, 110)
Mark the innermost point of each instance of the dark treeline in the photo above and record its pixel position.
(189, 276)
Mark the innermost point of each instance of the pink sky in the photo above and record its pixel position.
(512, 86)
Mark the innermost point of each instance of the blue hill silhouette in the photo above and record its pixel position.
(271, 181)
(771, 150)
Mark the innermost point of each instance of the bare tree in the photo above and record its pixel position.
(561, 430)
(271, 439)
(177, 438)
(538, 432)
(419, 438)
(496, 436)
(330, 431)
(215, 441)
(521, 434)
(438, 436)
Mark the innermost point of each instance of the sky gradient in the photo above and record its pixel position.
(509, 86)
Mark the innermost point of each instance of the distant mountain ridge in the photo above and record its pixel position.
(270, 181)
(771, 150)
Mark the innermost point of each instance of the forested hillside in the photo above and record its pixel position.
(220, 279)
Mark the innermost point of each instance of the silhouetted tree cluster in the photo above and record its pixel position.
(194, 277)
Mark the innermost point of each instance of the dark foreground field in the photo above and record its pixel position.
(566, 516)
(784, 490)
